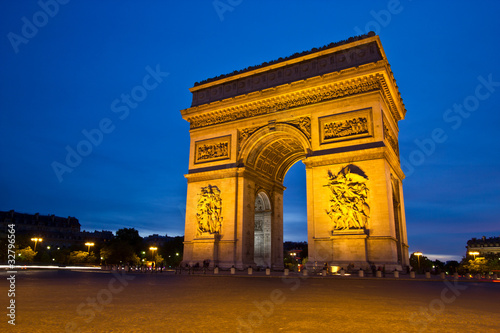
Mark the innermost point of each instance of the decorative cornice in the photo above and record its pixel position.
(392, 100)
(317, 161)
(297, 99)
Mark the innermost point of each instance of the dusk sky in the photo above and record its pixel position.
(66, 67)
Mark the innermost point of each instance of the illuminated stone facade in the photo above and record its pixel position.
(483, 246)
(54, 230)
(336, 109)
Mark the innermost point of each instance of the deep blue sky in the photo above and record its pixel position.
(64, 77)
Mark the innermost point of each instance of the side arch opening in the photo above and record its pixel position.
(262, 230)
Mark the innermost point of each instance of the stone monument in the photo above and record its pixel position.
(336, 109)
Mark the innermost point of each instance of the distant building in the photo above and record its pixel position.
(484, 245)
(101, 237)
(157, 240)
(54, 230)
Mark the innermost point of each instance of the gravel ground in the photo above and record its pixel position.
(71, 301)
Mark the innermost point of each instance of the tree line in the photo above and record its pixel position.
(126, 248)
(485, 264)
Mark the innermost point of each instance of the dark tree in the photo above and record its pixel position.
(124, 247)
(425, 264)
(172, 251)
(130, 236)
(451, 266)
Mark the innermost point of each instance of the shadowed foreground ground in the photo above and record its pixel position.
(66, 301)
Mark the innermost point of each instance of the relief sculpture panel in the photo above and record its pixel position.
(346, 126)
(303, 124)
(388, 134)
(209, 211)
(212, 149)
(348, 201)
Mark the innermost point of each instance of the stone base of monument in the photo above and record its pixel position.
(354, 248)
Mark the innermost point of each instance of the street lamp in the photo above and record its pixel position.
(153, 248)
(36, 240)
(89, 244)
(418, 254)
(474, 253)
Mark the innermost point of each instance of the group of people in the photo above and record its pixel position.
(134, 268)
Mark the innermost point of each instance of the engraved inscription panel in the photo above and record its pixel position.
(212, 150)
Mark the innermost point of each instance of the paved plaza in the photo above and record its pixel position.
(102, 301)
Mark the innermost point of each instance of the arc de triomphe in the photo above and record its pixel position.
(336, 109)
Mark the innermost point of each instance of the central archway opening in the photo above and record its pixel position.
(268, 154)
(295, 204)
(295, 217)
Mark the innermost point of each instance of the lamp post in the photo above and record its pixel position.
(474, 253)
(153, 248)
(418, 254)
(36, 240)
(89, 244)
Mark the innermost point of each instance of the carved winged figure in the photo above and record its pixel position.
(348, 208)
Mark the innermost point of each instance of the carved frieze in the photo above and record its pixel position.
(348, 201)
(244, 134)
(303, 124)
(333, 91)
(345, 126)
(393, 142)
(209, 211)
(212, 149)
(258, 224)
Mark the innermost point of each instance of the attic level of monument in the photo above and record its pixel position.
(351, 68)
(336, 109)
(293, 56)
